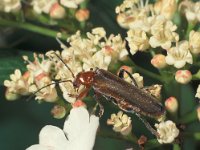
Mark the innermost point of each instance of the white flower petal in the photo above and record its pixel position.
(76, 122)
(39, 147)
(54, 137)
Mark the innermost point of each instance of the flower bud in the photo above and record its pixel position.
(82, 14)
(78, 103)
(183, 76)
(198, 113)
(158, 61)
(57, 11)
(58, 112)
(171, 104)
(127, 68)
(11, 96)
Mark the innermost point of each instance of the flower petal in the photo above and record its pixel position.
(39, 147)
(54, 137)
(76, 123)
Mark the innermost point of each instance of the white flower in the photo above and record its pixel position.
(137, 40)
(179, 55)
(10, 5)
(167, 131)
(78, 134)
(166, 8)
(19, 83)
(99, 59)
(191, 10)
(163, 32)
(121, 123)
(40, 6)
(194, 41)
(71, 3)
(198, 92)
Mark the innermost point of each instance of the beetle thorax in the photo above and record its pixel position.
(84, 78)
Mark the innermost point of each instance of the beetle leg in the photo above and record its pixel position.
(148, 126)
(101, 108)
(121, 75)
(83, 93)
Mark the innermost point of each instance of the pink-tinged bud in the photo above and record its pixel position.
(79, 103)
(11, 96)
(183, 76)
(127, 68)
(40, 76)
(171, 104)
(57, 11)
(198, 113)
(82, 14)
(58, 112)
(158, 61)
(26, 75)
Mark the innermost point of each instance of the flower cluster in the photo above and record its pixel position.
(56, 9)
(96, 50)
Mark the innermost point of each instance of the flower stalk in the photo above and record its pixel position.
(32, 28)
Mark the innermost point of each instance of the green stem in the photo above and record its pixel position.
(176, 147)
(152, 144)
(148, 73)
(190, 117)
(189, 28)
(32, 28)
(195, 135)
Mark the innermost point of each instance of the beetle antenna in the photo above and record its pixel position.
(64, 64)
(33, 94)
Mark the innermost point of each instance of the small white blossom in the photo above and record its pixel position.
(10, 5)
(19, 83)
(138, 78)
(163, 33)
(194, 42)
(198, 92)
(191, 10)
(166, 8)
(179, 55)
(121, 123)
(79, 133)
(99, 59)
(137, 40)
(71, 3)
(42, 6)
(167, 131)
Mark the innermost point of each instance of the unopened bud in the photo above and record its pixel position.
(198, 113)
(58, 111)
(127, 68)
(11, 96)
(171, 104)
(183, 76)
(82, 14)
(158, 61)
(57, 11)
(78, 103)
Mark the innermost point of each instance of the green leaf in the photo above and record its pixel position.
(11, 60)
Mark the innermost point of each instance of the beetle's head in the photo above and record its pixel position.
(84, 78)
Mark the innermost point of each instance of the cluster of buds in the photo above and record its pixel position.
(56, 9)
(121, 123)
